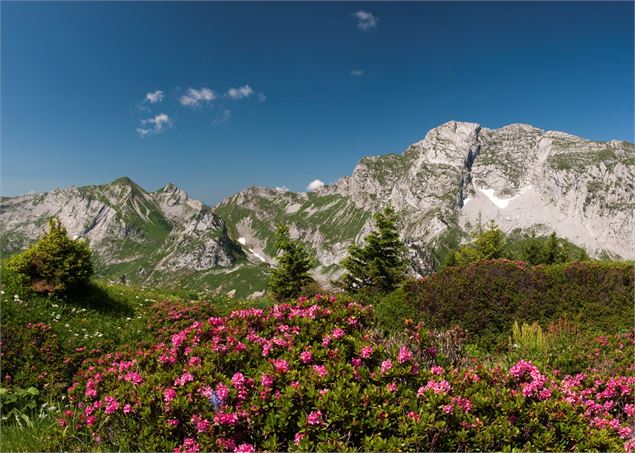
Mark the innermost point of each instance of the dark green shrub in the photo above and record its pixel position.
(55, 263)
(393, 311)
(486, 297)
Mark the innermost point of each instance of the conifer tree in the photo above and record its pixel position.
(380, 265)
(532, 251)
(488, 244)
(55, 263)
(291, 275)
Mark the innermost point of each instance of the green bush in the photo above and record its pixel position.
(486, 297)
(55, 263)
(393, 312)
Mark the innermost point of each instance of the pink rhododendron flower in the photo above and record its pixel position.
(298, 438)
(127, 409)
(266, 380)
(392, 387)
(133, 377)
(169, 395)
(314, 418)
(111, 405)
(448, 409)
(386, 366)
(338, 333)
(436, 370)
(174, 422)
(189, 446)
(281, 366)
(194, 361)
(238, 380)
(183, 379)
(306, 356)
(404, 355)
(222, 418)
(366, 352)
(244, 448)
(320, 370)
(222, 391)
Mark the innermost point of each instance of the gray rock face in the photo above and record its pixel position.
(137, 232)
(518, 175)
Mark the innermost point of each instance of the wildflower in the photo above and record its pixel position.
(314, 418)
(366, 352)
(320, 370)
(111, 405)
(298, 438)
(386, 366)
(189, 446)
(281, 366)
(306, 356)
(184, 379)
(244, 448)
(392, 387)
(448, 409)
(266, 381)
(404, 355)
(169, 395)
(134, 377)
(174, 422)
(238, 380)
(338, 333)
(127, 409)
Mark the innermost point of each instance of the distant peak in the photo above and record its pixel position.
(123, 181)
(170, 187)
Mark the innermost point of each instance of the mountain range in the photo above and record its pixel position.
(523, 177)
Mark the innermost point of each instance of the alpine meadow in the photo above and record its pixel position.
(317, 226)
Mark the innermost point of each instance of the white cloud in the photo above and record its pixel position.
(315, 185)
(240, 93)
(155, 125)
(154, 96)
(262, 97)
(222, 117)
(357, 72)
(365, 20)
(193, 97)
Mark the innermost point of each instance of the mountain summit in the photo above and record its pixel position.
(520, 176)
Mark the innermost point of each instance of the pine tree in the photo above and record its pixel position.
(532, 251)
(291, 275)
(487, 244)
(553, 253)
(380, 265)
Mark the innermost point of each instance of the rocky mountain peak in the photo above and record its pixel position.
(448, 144)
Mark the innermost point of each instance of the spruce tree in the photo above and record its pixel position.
(532, 250)
(380, 265)
(487, 244)
(291, 275)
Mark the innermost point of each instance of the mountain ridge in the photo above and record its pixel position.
(519, 175)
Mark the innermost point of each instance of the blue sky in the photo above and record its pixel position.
(316, 86)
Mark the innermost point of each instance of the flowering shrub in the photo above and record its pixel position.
(313, 376)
